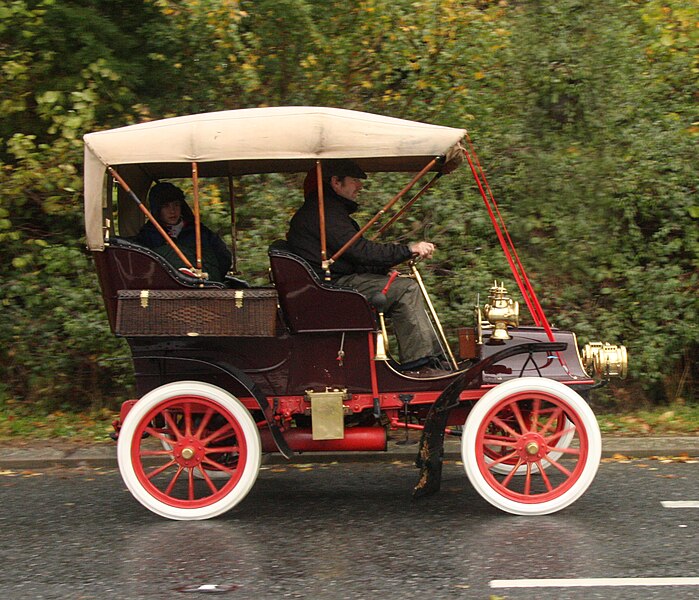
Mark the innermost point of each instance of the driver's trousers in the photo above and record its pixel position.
(406, 309)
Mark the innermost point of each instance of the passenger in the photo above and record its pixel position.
(365, 265)
(168, 206)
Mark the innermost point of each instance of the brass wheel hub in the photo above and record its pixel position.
(532, 447)
(188, 452)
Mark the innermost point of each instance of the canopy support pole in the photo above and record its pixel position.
(408, 204)
(324, 262)
(149, 216)
(234, 224)
(379, 214)
(197, 215)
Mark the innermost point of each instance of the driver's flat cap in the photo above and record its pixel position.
(342, 167)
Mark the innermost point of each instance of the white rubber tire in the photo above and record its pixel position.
(478, 468)
(227, 404)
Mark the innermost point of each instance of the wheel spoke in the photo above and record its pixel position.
(190, 482)
(156, 452)
(556, 436)
(502, 459)
(206, 477)
(535, 414)
(544, 476)
(566, 450)
(171, 422)
(219, 466)
(204, 422)
(555, 414)
(520, 419)
(498, 440)
(173, 481)
(559, 466)
(159, 470)
(510, 475)
(217, 435)
(188, 419)
(528, 480)
(160, 435)
(504, 426)
(221, 450)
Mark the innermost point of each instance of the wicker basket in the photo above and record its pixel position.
(238, 313)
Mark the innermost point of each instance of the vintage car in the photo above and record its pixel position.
(226, 371)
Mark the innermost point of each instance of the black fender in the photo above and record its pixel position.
(431, 450)
(250, 386)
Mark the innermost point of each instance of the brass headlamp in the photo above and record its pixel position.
(500, 312)
(605, 360)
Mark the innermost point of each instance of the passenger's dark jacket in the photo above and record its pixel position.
(364, 256)
(216, 258)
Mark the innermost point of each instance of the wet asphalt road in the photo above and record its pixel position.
(344, 531)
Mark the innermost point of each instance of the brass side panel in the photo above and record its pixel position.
(327, 416)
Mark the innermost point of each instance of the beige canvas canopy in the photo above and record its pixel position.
(256, 140)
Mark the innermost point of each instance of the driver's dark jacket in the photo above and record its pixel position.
(364, 256)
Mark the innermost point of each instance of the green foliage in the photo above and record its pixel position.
(583, 114)
(607, 184)
(197, 58)
(57, 349)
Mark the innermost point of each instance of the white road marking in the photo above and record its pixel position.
(594, 582)
(210, 588)
(680, 503)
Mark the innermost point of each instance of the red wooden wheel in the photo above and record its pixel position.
(176, 437)
(535, 424)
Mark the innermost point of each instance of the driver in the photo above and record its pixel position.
(365, 265)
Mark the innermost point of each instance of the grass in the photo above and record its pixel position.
(18, 423)
(677, 419)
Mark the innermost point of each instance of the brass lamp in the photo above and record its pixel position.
(605, 360)
(501, 311)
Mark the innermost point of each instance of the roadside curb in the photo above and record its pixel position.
(104, 455)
